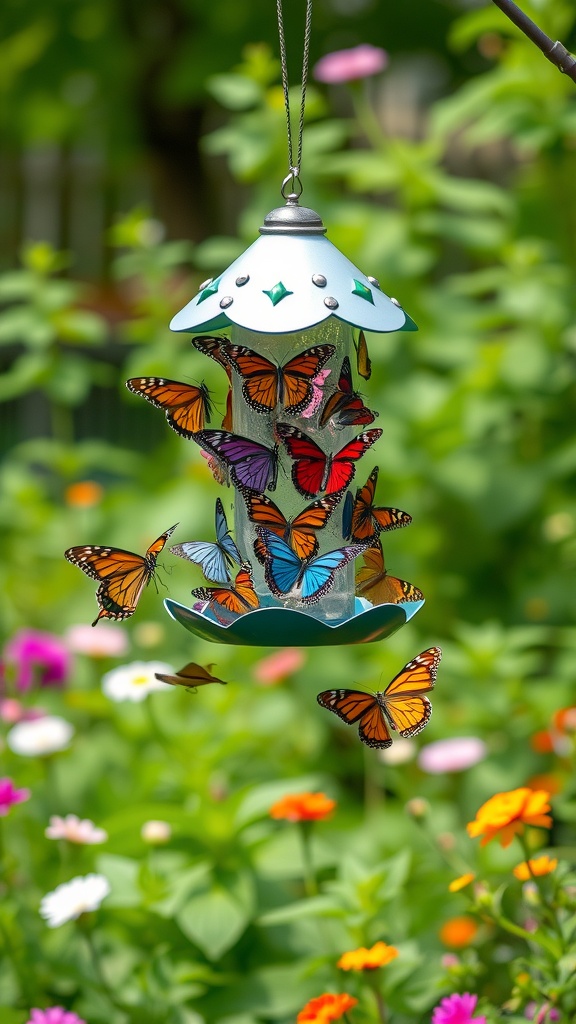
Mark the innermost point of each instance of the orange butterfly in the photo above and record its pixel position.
(374, 583)
(122, 574)
(266, 385)
(402, 707)
(187, 407)
(367, 520)
(299, 532)
(191, 676)
(363, 361)
(345, 405)
(216, 348)
(226, 602)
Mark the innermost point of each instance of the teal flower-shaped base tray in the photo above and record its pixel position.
(286, 627)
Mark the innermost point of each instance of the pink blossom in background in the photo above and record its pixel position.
(54, 1015)
(107, 641)
(277, 667)
(541, 1014)
(450, 960)
(9, 796)
(457, 1009)
(37, 658)
(11, 711)
(452, 755)
(75, 830)
(317, 391)
(346, 65)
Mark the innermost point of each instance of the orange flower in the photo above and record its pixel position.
(535, 868)
(303, 807)
(84, 494)
(551, 783)
(565, 719)
(458, 931)
(363, 959)
(542, 742)
(326, 1008)
(461, 882)
(505, 815)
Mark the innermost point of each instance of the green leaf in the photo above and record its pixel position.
(318, 906)
(236, 92)
(213, 921)
(122, 873)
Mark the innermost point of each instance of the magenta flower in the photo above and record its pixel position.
(347, 65)
(457, 1009)
(10, 796)
(38, 658)
(54, 1015)
(541, 1014)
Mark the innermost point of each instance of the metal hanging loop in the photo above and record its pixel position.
(292, 179)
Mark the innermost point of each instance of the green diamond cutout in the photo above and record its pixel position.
(211, 289)
(363, 291)
(277, 293)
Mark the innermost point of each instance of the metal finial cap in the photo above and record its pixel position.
(292, 220)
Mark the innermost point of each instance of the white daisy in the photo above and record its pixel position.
(71, 899)
(135, 681)
(75, 830)
(40, 737)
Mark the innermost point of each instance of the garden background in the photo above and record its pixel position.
(143, 143)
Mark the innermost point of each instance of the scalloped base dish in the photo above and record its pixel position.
(286, 627)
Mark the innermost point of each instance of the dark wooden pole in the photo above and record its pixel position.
(556, 52)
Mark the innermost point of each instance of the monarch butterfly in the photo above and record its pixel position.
(216, 348)
(186, 406)
(122, 574)
(366, 521)
(213, 558)
(374, 583)
(314, 471)
(345, 405)
(402, 707)
(191, 676)
(251, 464)
(226, 602)
(299, 532)
(266, 385)
(363, 362)
(313, 577)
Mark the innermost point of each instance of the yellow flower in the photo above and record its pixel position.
(303, 807)
(506, 814)
(458, 931)
(535, 868)
(363, 959)
(461, 882)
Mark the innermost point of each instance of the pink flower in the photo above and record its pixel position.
(38, 658)
(12, 711)
(457, 1009)
(346, 65)
(75, 830)
(10, 796)
(107, 641)
(277, 667)
(317, 391)
(54, 1015)
(541, 1014)
(451, 755)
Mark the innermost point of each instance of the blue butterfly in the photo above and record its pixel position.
(213, 559)
(314, 577)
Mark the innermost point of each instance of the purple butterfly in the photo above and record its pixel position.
(252, 465)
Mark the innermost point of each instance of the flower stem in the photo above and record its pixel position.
(380, 1006)
(549, 913)
(366, 116)
(310, 882)
(96, 964)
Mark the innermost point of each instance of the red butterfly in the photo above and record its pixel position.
(186, 406)
(314, 471)
(345, 405)
(266, 385)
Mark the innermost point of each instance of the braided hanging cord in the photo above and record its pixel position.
(293, 177)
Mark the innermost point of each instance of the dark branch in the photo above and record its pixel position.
(556, 52)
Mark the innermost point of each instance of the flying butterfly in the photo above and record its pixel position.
(345, 405)
(284, 571)
(402, 707)
(186, 406)
(191, 677)
(122, 575)
(226, 602)
(216, 348)
(213, 558)
(314, 471)
(363, 361)
(374, 583)
(299, 532)
(364, 521)
(265, 385)
(251, 464)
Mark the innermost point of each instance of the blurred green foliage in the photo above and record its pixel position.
(470, 223)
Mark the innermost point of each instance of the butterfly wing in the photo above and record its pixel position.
(260, 377)
(363, 362)
(374, 583)
(252, 465)
(404, 700)
(282, 566)
(187, 407)
(191, 676)
(342, 466)
(264, 513)
(349, 705)
(309, 460)
(207, 555)
(338, 397)
(297, 377)
(223, 536)
(353, 413)
(319, 574)
(347, 511)
(216, 348)
(368, 521)
(158, 545)
(227, 602)
(314, 517)
(227, 419)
